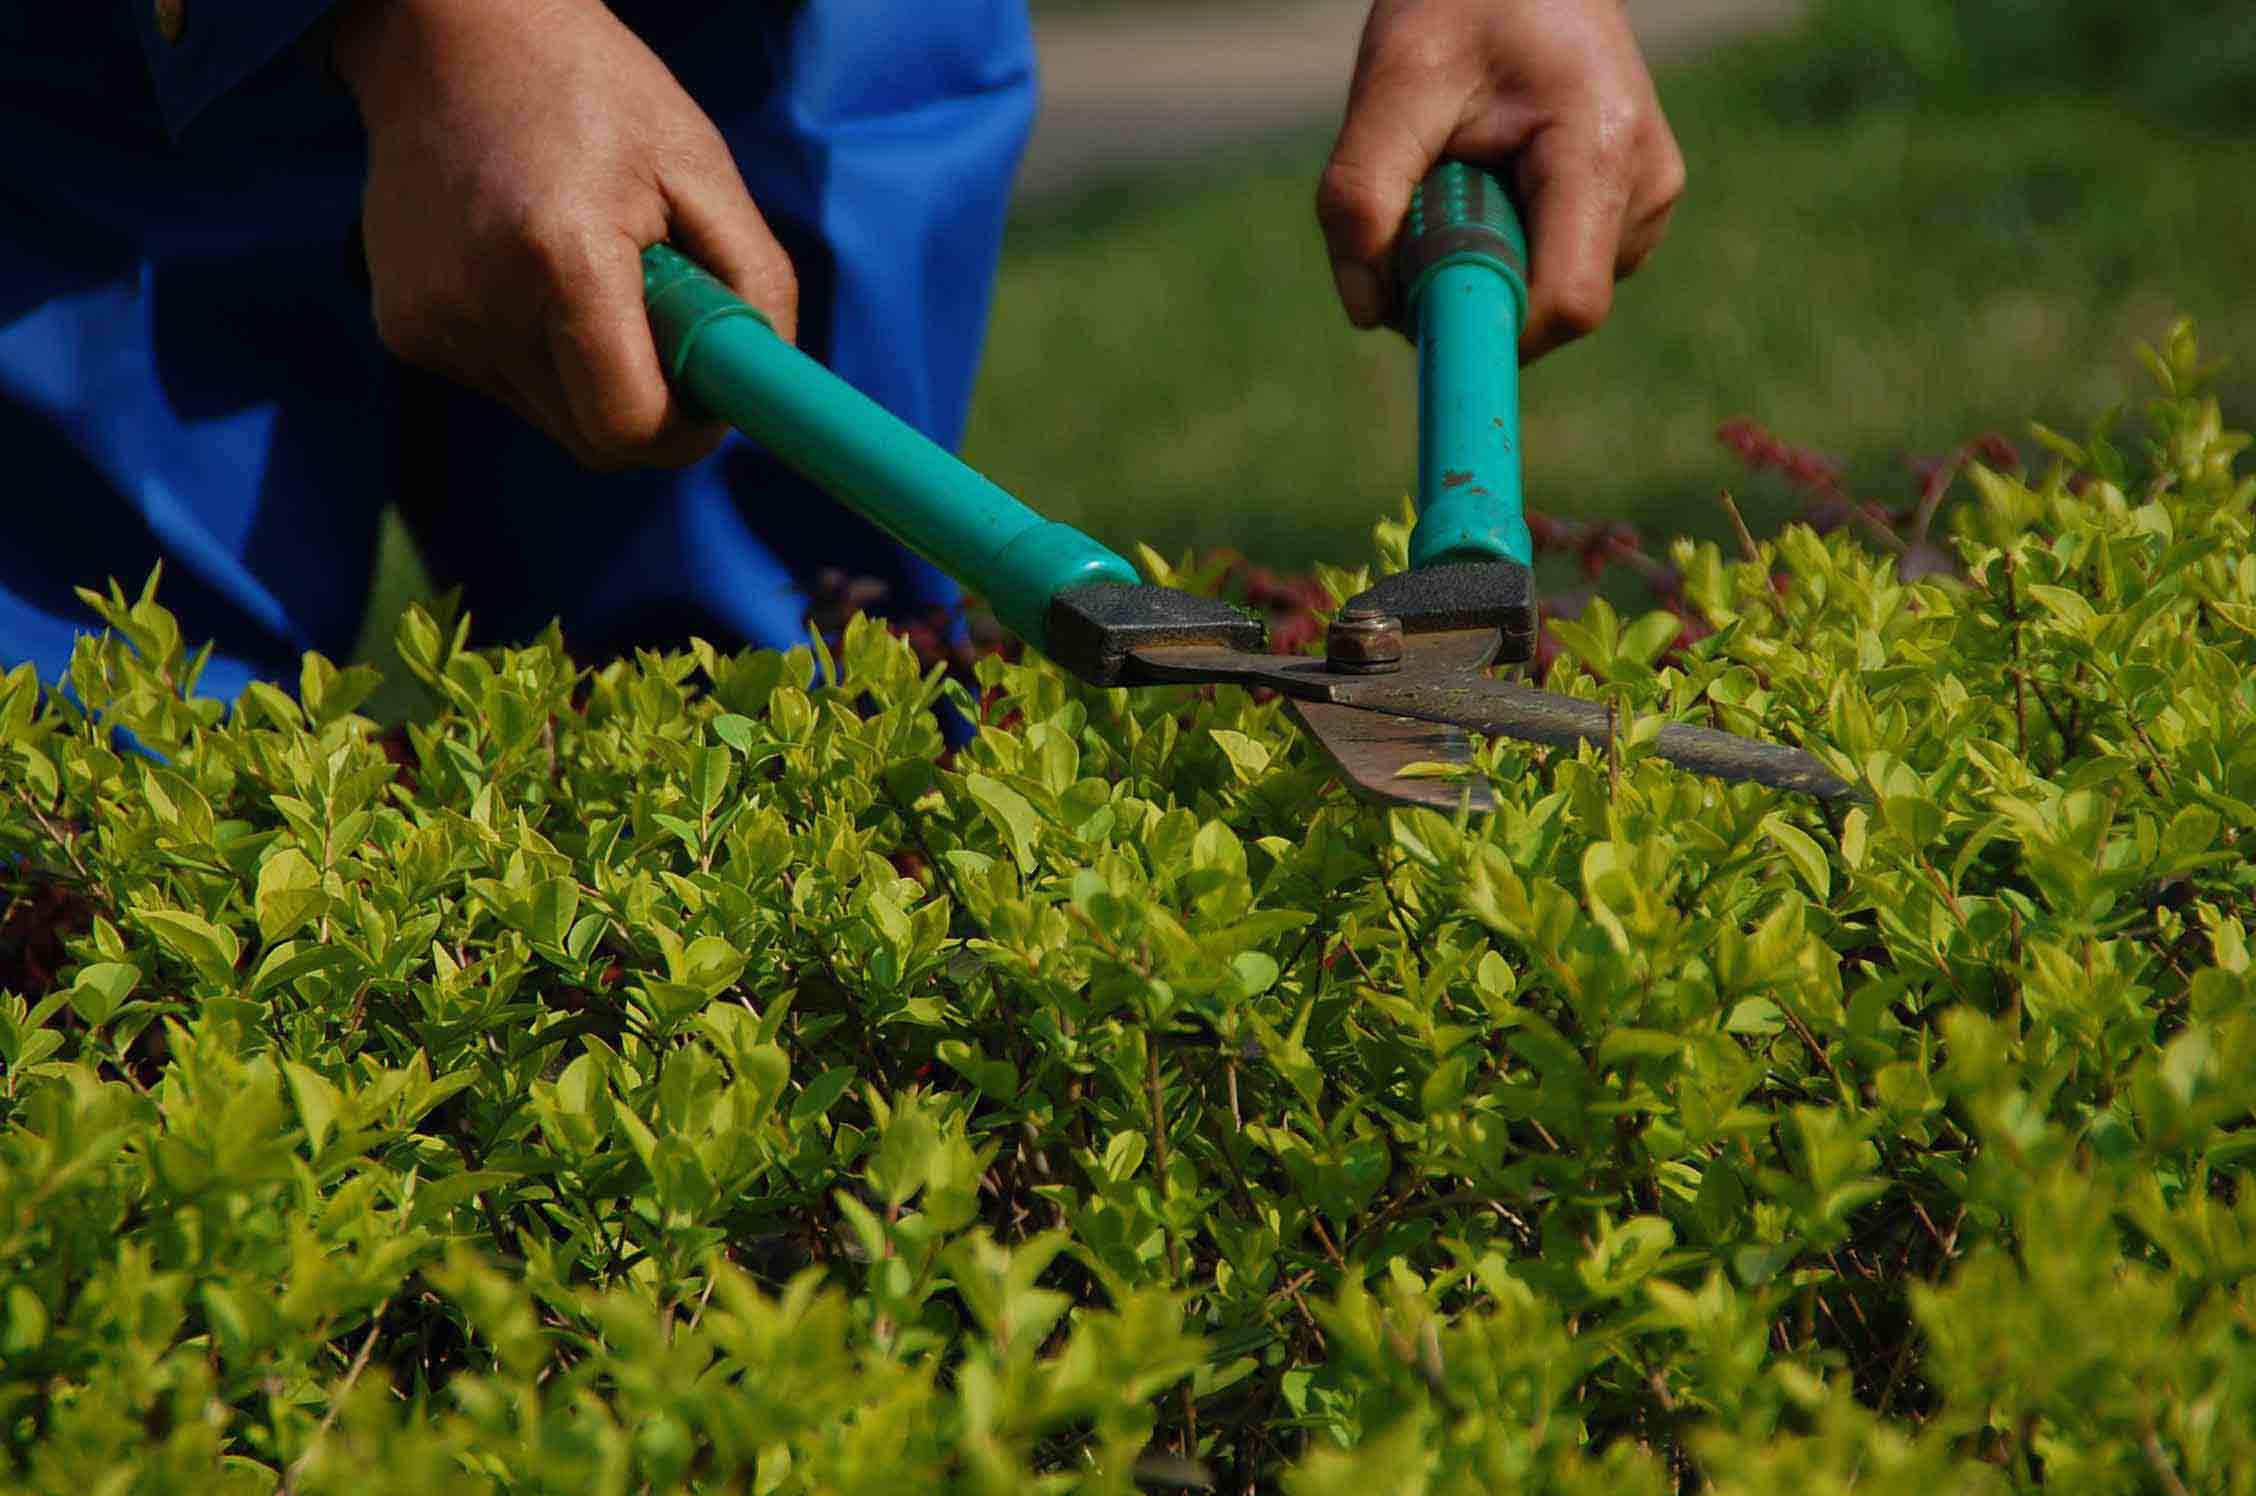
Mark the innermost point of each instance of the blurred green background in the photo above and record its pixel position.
(1909, 221)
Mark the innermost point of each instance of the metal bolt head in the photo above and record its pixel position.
(1364, 641)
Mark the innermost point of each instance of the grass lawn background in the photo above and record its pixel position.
(1166, 361)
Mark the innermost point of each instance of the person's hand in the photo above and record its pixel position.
(1553, 92)
(521, 154)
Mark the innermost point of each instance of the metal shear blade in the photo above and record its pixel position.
(1371, 749)
(1373, 726)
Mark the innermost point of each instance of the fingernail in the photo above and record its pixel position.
(1359, 292)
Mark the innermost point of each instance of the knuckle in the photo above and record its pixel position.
(686, 445)
(621, 434)
(1616, 147)
(552, 246)
(1581, 308)
(1413, 57)
(418, 332)
(1347, 198)
(1668, 175)
(555, 254)
(783, 302)
(400, 330)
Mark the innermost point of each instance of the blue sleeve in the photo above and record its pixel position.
(199, 49)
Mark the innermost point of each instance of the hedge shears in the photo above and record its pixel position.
(1404, 677)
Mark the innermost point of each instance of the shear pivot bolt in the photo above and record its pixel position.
(1364, 641)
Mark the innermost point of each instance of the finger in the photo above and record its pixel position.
(548, 412)
(716, 223)
(1640, 239)
(605, 363)
(1576, 206)
(1660, 187)
(1396, 128)
(530, 388)
(537, 393)
(527, 384)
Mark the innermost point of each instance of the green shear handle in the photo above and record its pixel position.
(1466, 295)
(1462, 266)
(723, 355)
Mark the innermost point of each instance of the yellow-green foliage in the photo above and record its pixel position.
(678, 1078)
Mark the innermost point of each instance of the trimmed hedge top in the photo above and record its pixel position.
(673, 1077)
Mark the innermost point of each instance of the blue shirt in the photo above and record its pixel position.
(188, 373)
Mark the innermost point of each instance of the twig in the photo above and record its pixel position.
(1330, 1249)
(2020, 674)
(1889, 539)
(1938, 487)
(69, 843)
(1902, 1364)
(2163, 1470)
(1400, 1209)
(1174, 1241)
(1739, 524)
(1402, 921)
(337, 1398)
(1817, 1051)
(1159, 1147)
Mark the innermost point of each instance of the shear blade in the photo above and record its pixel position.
(1373, 726)
(1497, 708)
(1372, 749)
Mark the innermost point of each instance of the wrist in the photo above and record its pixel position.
(370, 43)
(360, 35)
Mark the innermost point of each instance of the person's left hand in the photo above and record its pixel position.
(1554, 93)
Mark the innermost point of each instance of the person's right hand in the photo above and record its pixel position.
(1552, 91)
(521, 155)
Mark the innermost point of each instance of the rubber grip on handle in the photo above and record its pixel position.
(1462, 264)
(722, 354)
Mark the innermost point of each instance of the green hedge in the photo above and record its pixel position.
(2192, 62)
(673, 1078)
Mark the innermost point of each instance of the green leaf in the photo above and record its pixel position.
(1806, 857)
(1644, 640)
(737, 732)
(710, 964)
(998, 1079)
(1007, 809)
(2070, 607)
(1625, 1254)
(555, 905)
(289, 894)
(291, 960)
(317, 1101)
(211, 949)
(1248, 758)
(1123, 1156)
(25, 1327)
(821, 1094)
(101, 989)
(329, 693)
(1251, 974)
(709, 782)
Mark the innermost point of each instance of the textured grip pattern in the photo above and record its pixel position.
(1464, 301)
(1460, 213)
